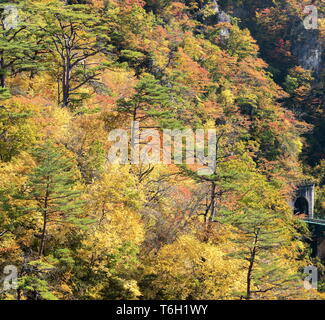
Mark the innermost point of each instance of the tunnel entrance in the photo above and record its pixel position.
(302, 202)
(301, 206)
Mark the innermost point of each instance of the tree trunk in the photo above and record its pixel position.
(249, 280)
(45, 217)
(213, 201)
(66, 81)
(250, 269)
(134, 138)
(43, 236)
(65, 88)
(2, 75)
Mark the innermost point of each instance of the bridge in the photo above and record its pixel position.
(303, 204)
(316, 222)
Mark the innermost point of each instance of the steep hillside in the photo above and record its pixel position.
(88, 86)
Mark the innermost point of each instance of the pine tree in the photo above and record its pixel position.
(262, 234)
(19, 43)
(258, 237)
(150, 101)
(52, 187)
(74, 36)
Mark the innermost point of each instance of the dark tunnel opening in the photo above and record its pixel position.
(301, 206)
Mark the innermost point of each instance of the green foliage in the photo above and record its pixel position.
(19, 44)
(78, 227)
(74, 36)
(17, 132)
(151, 100)
(35, 288)
(52, 190)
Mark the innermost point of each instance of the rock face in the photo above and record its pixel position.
(216, 17)
(221, 15)
(307, 47)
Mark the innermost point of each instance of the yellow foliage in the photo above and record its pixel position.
(190, 269)
(114, 202)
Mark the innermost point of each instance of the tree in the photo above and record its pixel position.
(227, 146)
(150, 101)
(77, 227)
(52, 188)
(149, 105)
(156, 5)
(263, 237)
(305, 100)
(87, 139)
(107, 257)
(19, 44)
(75, 37)
(189, 269)
(239, 43)
(17, 129)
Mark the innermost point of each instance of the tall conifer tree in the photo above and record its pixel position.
(52, 187)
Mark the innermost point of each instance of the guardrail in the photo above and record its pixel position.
(319, 222)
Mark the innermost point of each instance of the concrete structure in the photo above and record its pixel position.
(304, 200)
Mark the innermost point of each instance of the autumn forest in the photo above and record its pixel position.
(75, 226)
